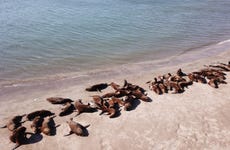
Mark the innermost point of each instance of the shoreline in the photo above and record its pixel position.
(195, 119)
(129, 67)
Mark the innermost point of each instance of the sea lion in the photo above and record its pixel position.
(110, 94)
(221, 67)
(48, 126)
(180, 73)
(80, 107)
(112, 112)
(97, 87)
(18, 136)
(59, 100)
(14, 122)
(68, 109)
(155, 88)
(128, 102)
(98, 100)
(114, 86)
(139, 95)
(42, 113)
(213, 83)
(175, 86)
(184, 84)
(115, 100)
(37, 124)
(77, 128)
(122, 92)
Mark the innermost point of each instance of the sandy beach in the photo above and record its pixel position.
(195, 119)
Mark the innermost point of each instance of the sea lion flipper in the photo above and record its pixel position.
(16, 146)
(70, 132)
(87, 126)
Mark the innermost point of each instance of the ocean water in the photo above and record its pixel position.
(51, 37)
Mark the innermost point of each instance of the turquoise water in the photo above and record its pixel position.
(48, 37)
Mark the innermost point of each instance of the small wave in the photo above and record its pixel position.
(223, 42)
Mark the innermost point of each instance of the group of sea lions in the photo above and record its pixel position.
(41, 122)
(122, 96)
(212, 75)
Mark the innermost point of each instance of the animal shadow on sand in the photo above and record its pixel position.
(134, 105)
(31, 138)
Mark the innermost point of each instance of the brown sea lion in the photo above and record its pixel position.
(115, 100)
(48, 126)
(122, 92)
(97, 87)
(98, 100)
(175, 86)
(114, 86)
(68, 109)
(37, 124)
(221, 67)
(213, 83)
(42, 113)
(110, 94)
(14, 122)
(139, 95)
(77, 128)
(155, 88)
(128, 102)
(112, 112)
(18, 136)
(80, 107)
(59, 100)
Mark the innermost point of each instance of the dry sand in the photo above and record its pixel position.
(199, 118)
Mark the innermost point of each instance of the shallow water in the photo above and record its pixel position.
(49, 38)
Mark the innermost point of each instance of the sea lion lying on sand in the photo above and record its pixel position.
(180, 73)
(14, 122)
(114, 86)
(48, 126)
(97, 87)
(42, 113)
(77, 128)
(37, 124)
(80, 107)
(18, 136)
(59, 100)
(68, 109)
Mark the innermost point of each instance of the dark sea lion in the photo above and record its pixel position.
(37, 124)
(59, 100)
(42, 113)
(184, 84)
(181, 73)
(77, 128)
(14, 122)
(80, 107)
(68, 109)
(48, 126)
(97, 87)
(128, 103)
(18, 136)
